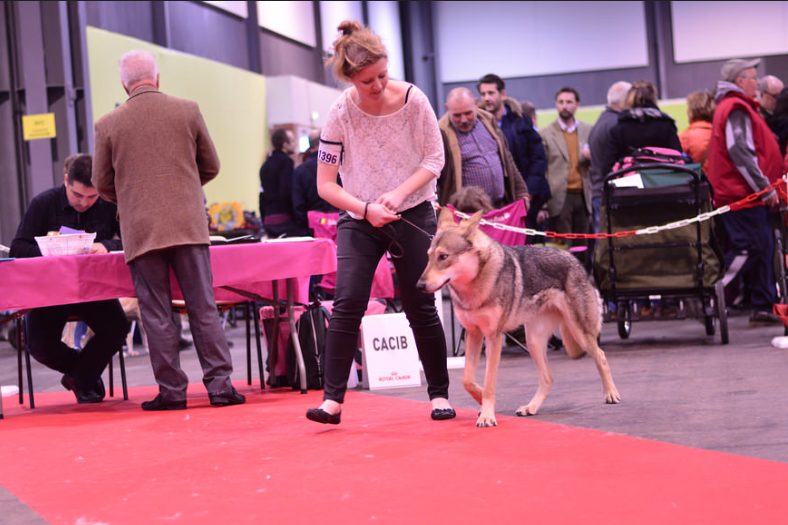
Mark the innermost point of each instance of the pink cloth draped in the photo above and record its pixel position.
(49, 281)
(511, 215)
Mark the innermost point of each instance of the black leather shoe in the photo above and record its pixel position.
(321, 416)
(439, 414)
(227, 397)
(98, 388)
(93, 395)
(159, 403)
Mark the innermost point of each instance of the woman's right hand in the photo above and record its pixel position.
(379, 215)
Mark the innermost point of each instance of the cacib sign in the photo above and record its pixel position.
(390, 359)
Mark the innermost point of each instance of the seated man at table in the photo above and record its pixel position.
(74, 204)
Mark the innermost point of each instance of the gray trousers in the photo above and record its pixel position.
(192, 268)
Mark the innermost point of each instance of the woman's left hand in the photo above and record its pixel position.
(379, 215)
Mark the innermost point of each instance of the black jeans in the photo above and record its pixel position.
(45, 329)
(360, 246)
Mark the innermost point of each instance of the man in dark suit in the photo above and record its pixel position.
(152, 156)
(74, 204)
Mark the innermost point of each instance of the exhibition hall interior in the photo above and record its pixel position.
(698, 431)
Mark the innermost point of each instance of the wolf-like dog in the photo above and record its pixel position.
(496, 288)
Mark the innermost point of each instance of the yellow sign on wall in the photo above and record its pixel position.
(38, 126)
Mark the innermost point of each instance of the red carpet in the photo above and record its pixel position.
(263, 462)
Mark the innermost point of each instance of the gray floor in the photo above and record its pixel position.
(678, 385)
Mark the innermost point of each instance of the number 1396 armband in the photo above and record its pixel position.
(330, 153)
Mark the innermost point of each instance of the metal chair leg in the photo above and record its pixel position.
(21, 346)
(247, 314)
(255, 313)
(123, 382)
(19, 327)
(111, 377)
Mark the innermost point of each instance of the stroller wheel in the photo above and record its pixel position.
(625, 322)
(722, 312)
(624, 329)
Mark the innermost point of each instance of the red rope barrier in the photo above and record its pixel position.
(747, 202)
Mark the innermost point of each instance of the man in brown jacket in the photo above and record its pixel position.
(152, 156)
(477, 153)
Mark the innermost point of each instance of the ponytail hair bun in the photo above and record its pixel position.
(356, 48)
(348, 27)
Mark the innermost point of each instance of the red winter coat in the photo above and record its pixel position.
(728, 183)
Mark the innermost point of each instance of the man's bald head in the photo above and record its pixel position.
(769, 88)
(462, 108)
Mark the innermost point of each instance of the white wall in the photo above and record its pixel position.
(720, 30)
(294, 20)
(520, 39)
(294, 100)
(384, 20)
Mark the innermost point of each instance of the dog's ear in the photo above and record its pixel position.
(446, 218)
(473, 222)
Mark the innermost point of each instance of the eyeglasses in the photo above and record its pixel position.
(773, 95)
(749, 78)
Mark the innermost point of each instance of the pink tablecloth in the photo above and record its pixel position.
(48, 281)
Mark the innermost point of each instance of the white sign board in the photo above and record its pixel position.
(390, 359)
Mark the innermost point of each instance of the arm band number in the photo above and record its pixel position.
(330, 154)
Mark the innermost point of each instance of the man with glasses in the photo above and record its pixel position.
(769, 87)
(744, 158)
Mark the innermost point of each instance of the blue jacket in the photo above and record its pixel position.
(527, 150)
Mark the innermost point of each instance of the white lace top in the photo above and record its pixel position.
(377, 153)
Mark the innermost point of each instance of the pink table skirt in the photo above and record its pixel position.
(49, 281)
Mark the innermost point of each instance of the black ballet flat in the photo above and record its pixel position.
(321, 416)
(439, 414)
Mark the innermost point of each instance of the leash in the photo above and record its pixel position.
(395, 249)
(403, 219)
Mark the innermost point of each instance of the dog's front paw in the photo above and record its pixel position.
(486, 421)
(525, 411)
(612, 398)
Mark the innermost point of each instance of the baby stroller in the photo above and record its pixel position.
(679, 267)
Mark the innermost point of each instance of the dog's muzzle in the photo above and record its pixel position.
(424, 287)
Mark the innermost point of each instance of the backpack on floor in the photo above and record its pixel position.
(311, 328)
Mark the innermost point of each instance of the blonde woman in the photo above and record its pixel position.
(382, 138)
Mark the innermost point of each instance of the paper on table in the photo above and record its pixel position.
(630, 181)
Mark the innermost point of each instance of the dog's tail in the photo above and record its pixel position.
(582, 320)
